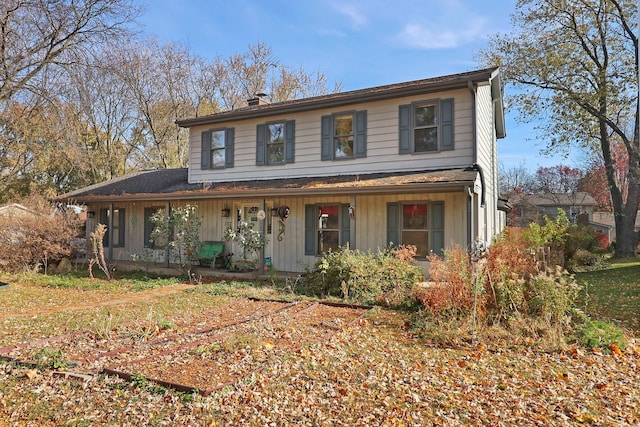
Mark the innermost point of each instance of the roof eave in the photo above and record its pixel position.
(342, 99)
(431, 187)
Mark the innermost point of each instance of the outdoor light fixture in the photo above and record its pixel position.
(91, 214)
(226, 211)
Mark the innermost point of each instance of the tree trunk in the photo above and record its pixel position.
(625, 213)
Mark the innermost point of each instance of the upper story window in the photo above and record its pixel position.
(275, 143)
(344, 135)
(425, 131)
(426, 126)
(217, 148)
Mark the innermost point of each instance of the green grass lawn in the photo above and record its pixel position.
(613, 293)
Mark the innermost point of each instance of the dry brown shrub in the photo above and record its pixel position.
(451, 293)
(509, 259)
(34, 238)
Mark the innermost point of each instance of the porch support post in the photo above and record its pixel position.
(261, 226)
(110, 232)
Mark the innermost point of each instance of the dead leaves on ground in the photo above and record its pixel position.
(374, 373)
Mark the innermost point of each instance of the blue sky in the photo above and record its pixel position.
(361, 43)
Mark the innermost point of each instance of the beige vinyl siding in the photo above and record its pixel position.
(382, 144)
(209, 211)
(370, 223)
(288, 254)
(487, 159)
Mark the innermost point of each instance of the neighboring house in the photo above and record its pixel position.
(408, 163)
(605, 223)
(16, 210)
(11, 217)
(579, 208)
(529, 208)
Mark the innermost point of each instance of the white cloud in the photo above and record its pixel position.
(353, 13)
(437, 36)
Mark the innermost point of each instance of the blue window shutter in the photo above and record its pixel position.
(205, 151)
(437, 228)
(345, 226)
(446, 127)
(261, 145)
(229, 137)
(310, 220)
(361, 133)
(289, 141)
(326, 142)
(393, 224)
(405, 125)
(121, 225)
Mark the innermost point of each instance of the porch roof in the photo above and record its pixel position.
(172, 184)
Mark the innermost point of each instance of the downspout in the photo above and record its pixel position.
(470, 217)
(482, 194)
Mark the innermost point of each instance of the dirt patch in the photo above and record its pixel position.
(221, 346)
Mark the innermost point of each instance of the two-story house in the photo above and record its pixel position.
(407, 163)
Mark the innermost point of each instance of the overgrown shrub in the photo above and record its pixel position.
(384, 277)
(601, 334)
(508, 288)
(452, 291)
(179, 234)
(34, 238)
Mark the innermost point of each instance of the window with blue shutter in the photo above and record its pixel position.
(148, 226)
(344, 136)
(327, 228)
(118, 231)
(217, 149)
(275, 143)
(426, 127)
(420, 224)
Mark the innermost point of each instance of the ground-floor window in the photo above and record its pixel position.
(420, 224)
(149, 226)
(326, 227)
(118, 231)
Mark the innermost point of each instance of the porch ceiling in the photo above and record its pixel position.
(172, 184)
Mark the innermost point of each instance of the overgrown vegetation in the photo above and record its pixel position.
(383, 277)
(516, 289)
(178, 233)
(36, 237)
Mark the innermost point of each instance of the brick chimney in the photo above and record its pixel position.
(258, 99)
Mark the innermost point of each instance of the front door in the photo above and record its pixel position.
(247, 213)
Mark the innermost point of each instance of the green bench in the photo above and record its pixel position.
(209, 252)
